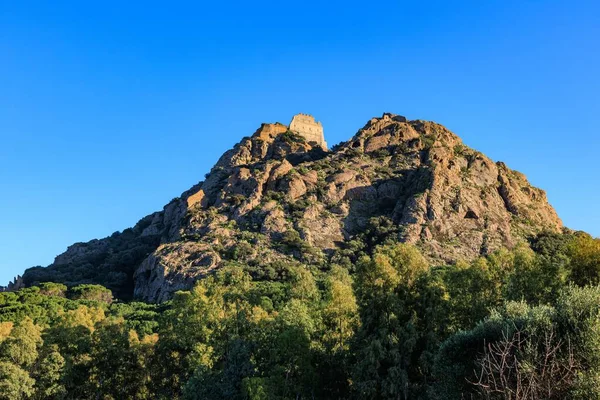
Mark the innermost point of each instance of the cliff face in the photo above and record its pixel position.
(274, 198)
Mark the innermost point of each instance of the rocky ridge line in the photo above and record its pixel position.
(274, 198)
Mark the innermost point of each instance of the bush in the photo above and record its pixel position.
(53, 289)
(524, 352)
(91, 292)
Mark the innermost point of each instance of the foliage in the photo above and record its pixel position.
(91, 292)
(525, 352)
(376, 322)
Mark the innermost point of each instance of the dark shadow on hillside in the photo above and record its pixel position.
(384, 198)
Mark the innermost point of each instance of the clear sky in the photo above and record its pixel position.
(110, 109)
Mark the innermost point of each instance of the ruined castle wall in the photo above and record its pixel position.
(310, 129)
(269, 131)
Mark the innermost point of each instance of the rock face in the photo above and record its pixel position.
(279, 197)
(14, 285)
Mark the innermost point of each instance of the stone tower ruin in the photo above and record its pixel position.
(306, 126)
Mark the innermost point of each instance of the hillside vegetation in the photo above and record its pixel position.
(515, 324)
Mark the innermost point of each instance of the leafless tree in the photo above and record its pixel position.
(526, 367)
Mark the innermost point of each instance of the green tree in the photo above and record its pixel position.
(387, 340)
(120, 360)
(584, 252)
(21, 346)
(71, 334)
(525, 352)
(48, 375)
(15, 382)
(340, 311)
(340, 323)
(195, 332)
(91, 292)
(53, 289)
(536, 278)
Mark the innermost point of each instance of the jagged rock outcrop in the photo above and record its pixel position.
(14, 285)
(172, 267)
(274, 197)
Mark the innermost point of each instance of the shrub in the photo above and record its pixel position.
(91, 292)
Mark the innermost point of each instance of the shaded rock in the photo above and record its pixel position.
(173, 267)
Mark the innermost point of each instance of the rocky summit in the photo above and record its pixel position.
(277, 196)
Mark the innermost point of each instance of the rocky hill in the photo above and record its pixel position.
(277, 198)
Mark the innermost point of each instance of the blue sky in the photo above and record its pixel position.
(110, 109)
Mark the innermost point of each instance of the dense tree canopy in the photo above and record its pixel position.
(378, 324)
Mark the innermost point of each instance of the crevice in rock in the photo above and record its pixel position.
(471, 215)
(484, 248)
(503, 192)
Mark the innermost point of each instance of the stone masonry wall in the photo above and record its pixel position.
(310, 129)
